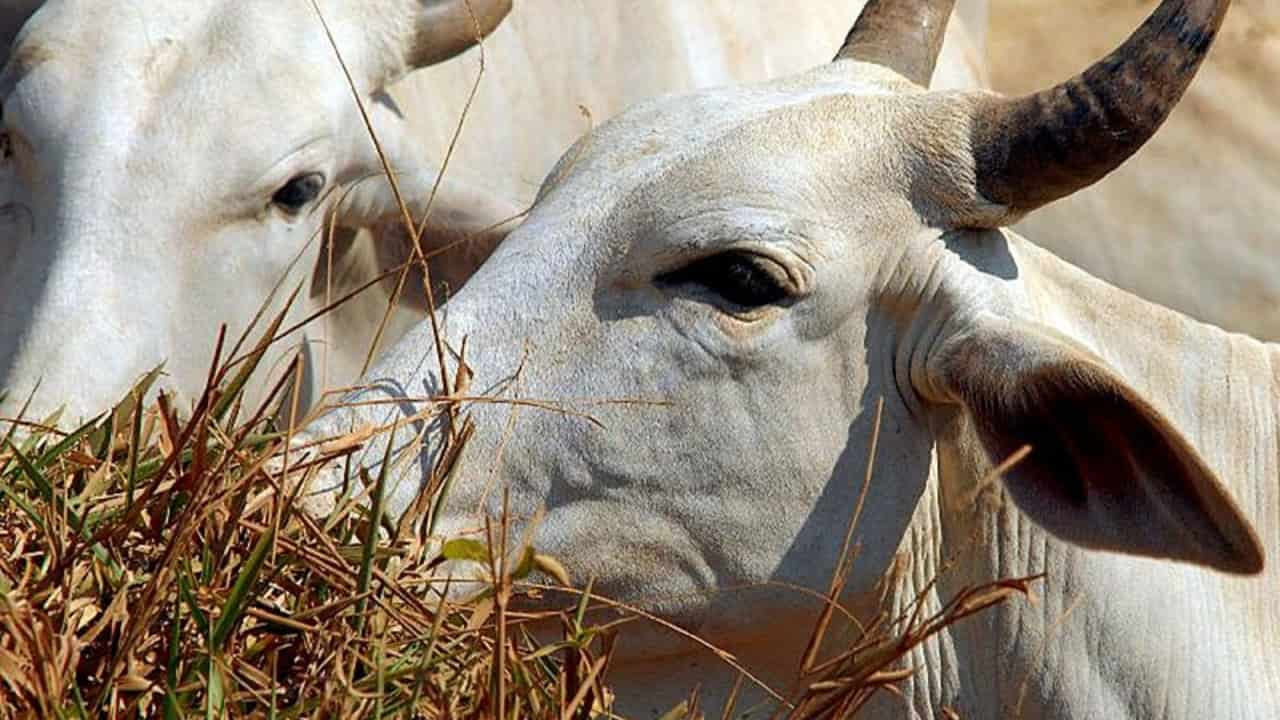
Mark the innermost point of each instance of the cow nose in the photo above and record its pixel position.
(316, 469)
(380, 434)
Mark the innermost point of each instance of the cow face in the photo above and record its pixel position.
(677, 304)
(679, 354)
(167, 169)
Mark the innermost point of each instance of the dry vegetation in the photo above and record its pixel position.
(152, 565)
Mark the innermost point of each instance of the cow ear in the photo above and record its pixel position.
(462, 229)
(404, 35)
(1105, 470)
(445, 28)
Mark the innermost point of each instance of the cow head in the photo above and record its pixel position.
(680, 351)
(167, 166)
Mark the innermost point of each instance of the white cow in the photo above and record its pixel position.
(170, 163)
(166, 165)
(751, 269)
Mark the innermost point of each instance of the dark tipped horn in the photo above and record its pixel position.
(1036, 149)
(902, 35)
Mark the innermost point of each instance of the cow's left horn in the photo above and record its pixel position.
(902, 35)
(1033, 150)
(445, 28)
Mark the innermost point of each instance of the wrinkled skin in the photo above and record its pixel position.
(728, 466)
(138, 211)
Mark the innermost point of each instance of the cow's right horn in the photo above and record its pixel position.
(409, 34)
(446, 28)
(1032, 150)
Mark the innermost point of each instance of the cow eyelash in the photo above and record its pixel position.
(747, 280)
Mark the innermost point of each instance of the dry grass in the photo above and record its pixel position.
(150, 566)
(153, 565)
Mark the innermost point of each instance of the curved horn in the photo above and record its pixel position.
(446, 28)
(902, 35)
(1036, 149)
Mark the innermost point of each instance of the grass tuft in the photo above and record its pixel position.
(153, 565)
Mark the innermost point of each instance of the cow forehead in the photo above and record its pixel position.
(173, 82)
(782, 146)
(156, 50)
(667, 130)
(136, 31)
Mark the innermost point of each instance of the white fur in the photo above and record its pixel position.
(730, 470)
(150, 136)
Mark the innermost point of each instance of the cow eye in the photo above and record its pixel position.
(745, 279)
(299, 192)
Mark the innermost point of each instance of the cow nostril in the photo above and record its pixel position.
(319, 497)
(14, 213)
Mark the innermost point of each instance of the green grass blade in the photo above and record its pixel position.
(216, 704)
(50, 421)
(13, 426)
(65, 444)
(135, 440)
(188, 596)
(172, 705)
(43, 486)
(247, 368)
(584, 600)
(240, 592)
(105, 432)
(27, 507)
(365, 577)
(465, 549)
